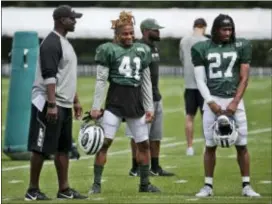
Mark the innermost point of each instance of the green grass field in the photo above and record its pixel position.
(118, 187)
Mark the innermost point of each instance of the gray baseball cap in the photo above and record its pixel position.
(65, 11)
(150, 23)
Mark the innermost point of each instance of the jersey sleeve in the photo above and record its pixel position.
(246, 52)
(147, 57)
(197, 55)
(103, 55)
(50, 56)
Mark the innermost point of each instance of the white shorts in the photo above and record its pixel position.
(155, 128)
(240, 117)
(138, 126)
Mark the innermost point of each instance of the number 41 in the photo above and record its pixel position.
(125, 68)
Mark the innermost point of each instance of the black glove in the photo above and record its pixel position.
(87, 118)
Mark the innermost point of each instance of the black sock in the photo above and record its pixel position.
(98, 170)
(154, 163)
(244, 184)
(30, 189)
(144, 175)
(134, 164)
(210, 185)
(64, 189)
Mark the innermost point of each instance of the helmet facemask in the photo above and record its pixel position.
(225, 133)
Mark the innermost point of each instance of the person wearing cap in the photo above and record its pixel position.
(192, 97)
(150, 34)
(53, 98)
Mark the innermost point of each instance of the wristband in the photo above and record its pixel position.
(51, 105)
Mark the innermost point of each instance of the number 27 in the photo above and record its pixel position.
(219, 74)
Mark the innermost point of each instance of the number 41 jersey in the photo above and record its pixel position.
(125, 65)
(222, 64)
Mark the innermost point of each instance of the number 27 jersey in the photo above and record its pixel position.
(125, 65)
(222, 64)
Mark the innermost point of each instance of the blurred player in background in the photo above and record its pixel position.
(124, 63)
(192, 96)
(150, 31)
(221, 68)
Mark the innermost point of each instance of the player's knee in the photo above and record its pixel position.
(210, 150)
(241, 149)
(106, 145)
(41, 155)
(143, 146)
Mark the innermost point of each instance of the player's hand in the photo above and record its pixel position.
(52, 114)
(216, 109)
(232, 107)
(78, 110)
(149, 116)
(96, 114)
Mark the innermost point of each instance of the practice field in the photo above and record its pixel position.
(118, 187)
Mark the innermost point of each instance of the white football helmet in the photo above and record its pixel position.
(91, 138)
(224, 131)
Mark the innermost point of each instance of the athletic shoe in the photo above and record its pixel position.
(160, 172)
(70, 193)
(149, 189)
(190, 151)
(134, 172)
(249, 192)
(35, 194)
(95, 189)
(206, 191)
(74, 154)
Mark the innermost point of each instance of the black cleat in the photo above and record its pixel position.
(35, 194)
(70, 193)
(95, 189)
(149, 189)
(74, 154)
(134, 172)
(160, 172)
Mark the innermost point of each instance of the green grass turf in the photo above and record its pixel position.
(118, 187)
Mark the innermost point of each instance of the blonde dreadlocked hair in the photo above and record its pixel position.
(125, 18)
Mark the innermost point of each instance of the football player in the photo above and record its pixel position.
(150, 30)
(124, 63)
(221, 68)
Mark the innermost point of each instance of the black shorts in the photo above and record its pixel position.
(125, 101)
(49, 138)
(193, 101)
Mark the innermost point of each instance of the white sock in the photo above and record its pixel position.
(246, 179)
(209, 180)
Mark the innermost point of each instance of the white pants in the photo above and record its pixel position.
(240, 117)
(138, 126)
(155, 128)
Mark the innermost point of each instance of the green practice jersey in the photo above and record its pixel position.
(222, 64)
(125, 65)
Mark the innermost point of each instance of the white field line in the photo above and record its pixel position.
(166, 111)
(261, 101)
(170, 93)
(90, 87)
(257, 131)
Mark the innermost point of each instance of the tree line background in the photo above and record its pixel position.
(169, 47)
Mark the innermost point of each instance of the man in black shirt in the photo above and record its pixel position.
(150, 31)
(53, 97)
